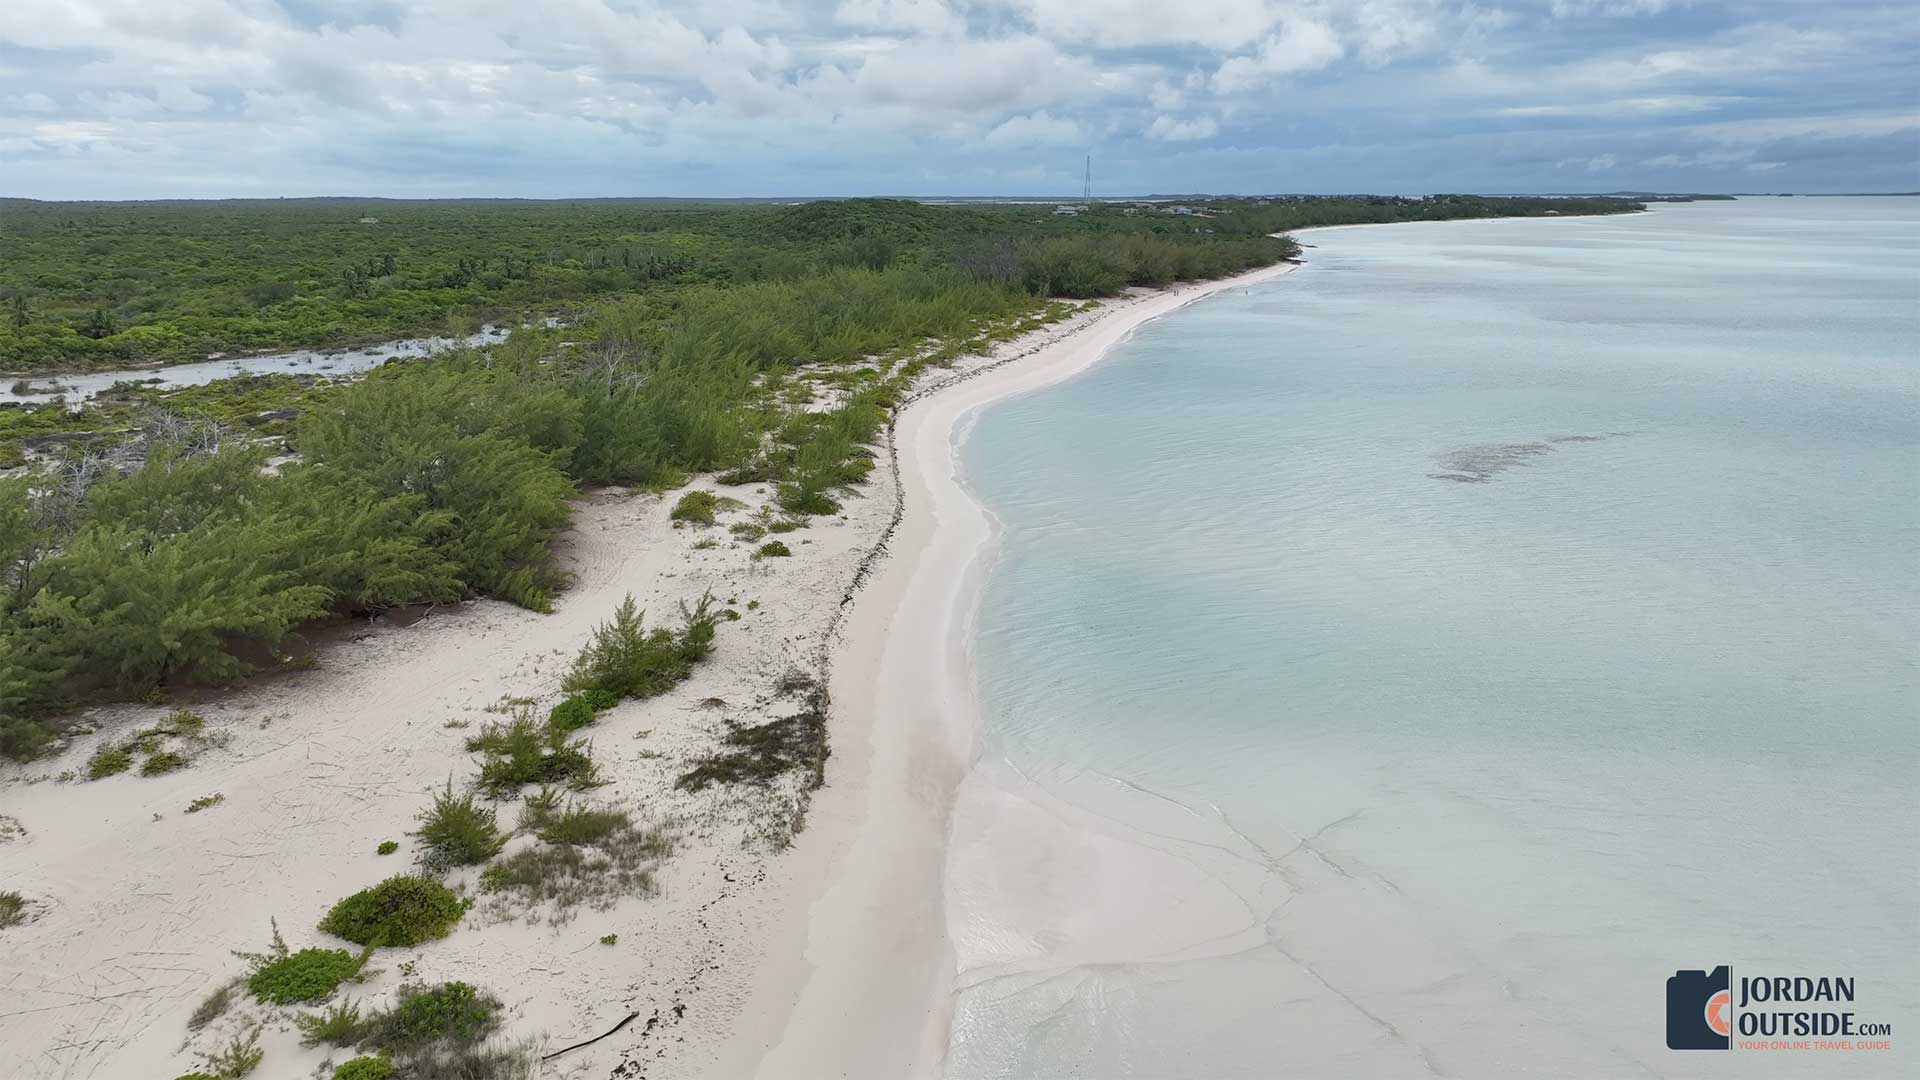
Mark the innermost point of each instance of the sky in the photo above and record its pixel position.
(578, 98)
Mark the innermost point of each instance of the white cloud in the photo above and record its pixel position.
(1576, 8)
(1301, 45)
(1639, 106)
(1217, 24)
(1036, 129)
(1168, 129)
(917, 16)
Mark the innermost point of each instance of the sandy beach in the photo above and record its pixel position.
(873, 996)
(828, 958)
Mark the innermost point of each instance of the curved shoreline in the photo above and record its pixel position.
(872, 995)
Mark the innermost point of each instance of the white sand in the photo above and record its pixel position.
(879, 969)
(829, 959)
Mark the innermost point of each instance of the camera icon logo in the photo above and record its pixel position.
(1699, 1009)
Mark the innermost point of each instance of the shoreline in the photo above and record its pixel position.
(872, 994)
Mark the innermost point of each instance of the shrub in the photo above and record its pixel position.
(337, 1026)
(109, 760)
(213, 1006)
(398, 912)
(457, 832)
(696, 506)
(165, 761)
(609, 939)
(240, 1057)
(306, 976)
(13, 909)
(579, 710)
(387, 847)
(364, 1068)
(522, 752)
(576, 824)
(626, 659)
(451, 1013)
(205, 802)
(773, 549)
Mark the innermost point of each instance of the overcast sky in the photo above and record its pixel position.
(156, 98)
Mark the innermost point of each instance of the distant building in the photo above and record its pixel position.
(1068, 211)
(369, 221)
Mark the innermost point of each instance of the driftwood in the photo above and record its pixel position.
(595, 1039)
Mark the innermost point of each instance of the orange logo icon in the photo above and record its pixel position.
(1717, 1007)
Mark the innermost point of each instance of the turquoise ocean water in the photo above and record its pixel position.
(1524, 609)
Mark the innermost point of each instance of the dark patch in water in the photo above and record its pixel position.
(1479, 464)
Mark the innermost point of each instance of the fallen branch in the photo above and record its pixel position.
(595, 1039)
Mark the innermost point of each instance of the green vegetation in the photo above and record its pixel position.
(281, 977)
(455, 831)
(587, 855)
(579, 710)
(338, 1025)
(308, 975)
(168, 538)
(213, 1006)
(697, 507)
(13, 909)
(772, 549)
(396, 913)
(164, 761)
(364, 1068)
(522, 752)
(239, 1058)
(451, 1013)
(609, 939)
(387, 847)
(205, 802)
(109, 760)
(627, 660)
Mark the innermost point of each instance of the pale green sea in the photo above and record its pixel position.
(1645, 697)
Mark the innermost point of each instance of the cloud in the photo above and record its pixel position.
(1168, 129)
(1036, 129)
(564, 97)
(1301, 45)
(917, 16)
(1639, 106)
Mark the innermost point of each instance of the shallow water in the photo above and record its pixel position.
(80, 387)
(1403, 667)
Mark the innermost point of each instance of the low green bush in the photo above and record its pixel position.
(306, 976)
(773, 549)
(522, 752)
(452, 1013)
(164, 761)
(337, 1026)
(13, 909)
(387, 847)
(455, 831)
(239, 1058)
(400, 911)
(364, 1068)
(577, 825)
(696, 507)
(626, 659)
(579, 710)
(108, 761)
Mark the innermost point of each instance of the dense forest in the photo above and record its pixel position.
(166, 538)
(108, 285)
